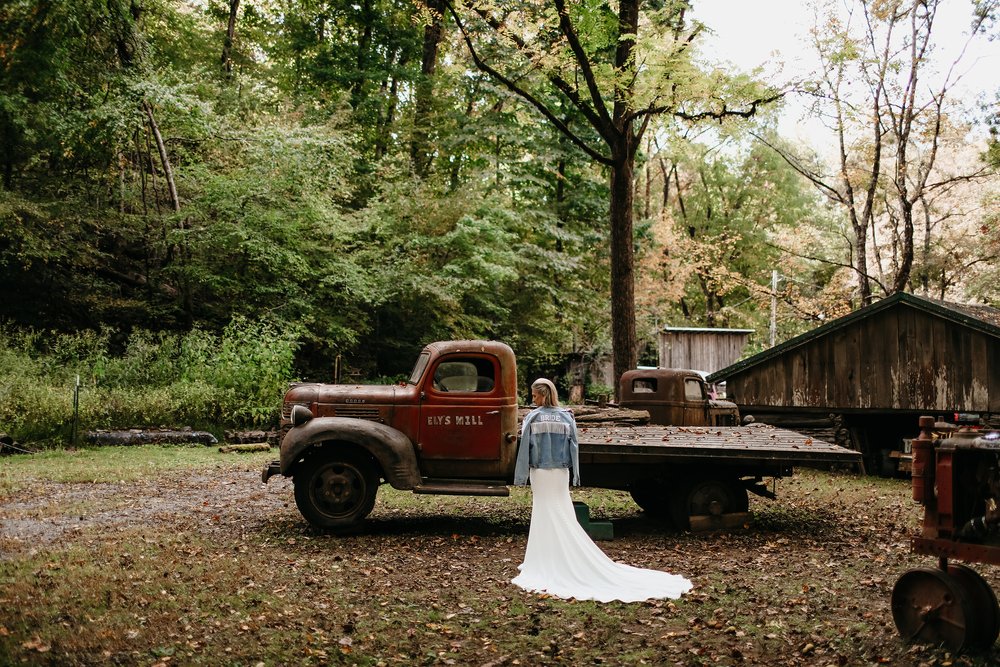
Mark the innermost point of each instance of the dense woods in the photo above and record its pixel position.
(363, 177)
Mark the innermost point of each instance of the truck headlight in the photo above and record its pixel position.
(300, 415)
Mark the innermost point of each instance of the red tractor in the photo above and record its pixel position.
(957, 479)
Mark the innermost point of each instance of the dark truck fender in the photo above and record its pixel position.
(393, 450)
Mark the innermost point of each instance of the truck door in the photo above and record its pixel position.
(695, 402)
(460, 418)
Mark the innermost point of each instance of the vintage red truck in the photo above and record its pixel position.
(452, 428)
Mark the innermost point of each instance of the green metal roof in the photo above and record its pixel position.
(708, 330)
(981, 318)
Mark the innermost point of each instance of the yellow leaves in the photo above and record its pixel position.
(37, 645)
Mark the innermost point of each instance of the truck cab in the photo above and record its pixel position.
(675, 397)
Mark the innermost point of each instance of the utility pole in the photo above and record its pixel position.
(774, 306)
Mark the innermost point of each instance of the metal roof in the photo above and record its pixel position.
(981, 318)
(705, 330)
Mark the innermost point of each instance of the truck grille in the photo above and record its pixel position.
(286, 410)
(357, 412)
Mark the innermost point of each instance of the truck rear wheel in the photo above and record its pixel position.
(707, 497)
(335, 490)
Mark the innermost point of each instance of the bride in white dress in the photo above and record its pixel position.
(561, 559)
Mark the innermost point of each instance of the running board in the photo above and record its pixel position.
(463, 487)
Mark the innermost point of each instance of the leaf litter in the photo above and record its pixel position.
(188, 569)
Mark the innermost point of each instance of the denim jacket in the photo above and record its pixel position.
(548, 440)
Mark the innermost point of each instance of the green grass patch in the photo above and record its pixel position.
(105, 465)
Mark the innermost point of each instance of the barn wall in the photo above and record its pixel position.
(701, 350)
(901, 358)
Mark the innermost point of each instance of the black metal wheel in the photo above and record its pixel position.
(929, 606)
(707, 497)
(336, 490)
(984, 621)
(653, 498)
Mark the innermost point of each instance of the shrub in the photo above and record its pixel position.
(198, 379)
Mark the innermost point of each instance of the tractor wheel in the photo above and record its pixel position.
(929, 606)
(984, 624)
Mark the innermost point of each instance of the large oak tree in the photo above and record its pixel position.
(618, 65)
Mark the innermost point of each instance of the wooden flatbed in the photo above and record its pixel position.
(753, 443)
(699, 476)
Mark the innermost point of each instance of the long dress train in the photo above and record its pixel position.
(563, 561)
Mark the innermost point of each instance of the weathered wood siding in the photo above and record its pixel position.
(898, 359)
(701, 349)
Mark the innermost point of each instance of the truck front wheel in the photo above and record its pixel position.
(335, 490)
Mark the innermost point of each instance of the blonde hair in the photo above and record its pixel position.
(550, 397)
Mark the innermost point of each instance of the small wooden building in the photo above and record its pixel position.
(703, 349)
(874, 371)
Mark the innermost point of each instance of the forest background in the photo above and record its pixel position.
(200, 201)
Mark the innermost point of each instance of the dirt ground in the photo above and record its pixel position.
(215, 568)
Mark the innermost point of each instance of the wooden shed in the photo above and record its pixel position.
(704, 349)
(873, 372)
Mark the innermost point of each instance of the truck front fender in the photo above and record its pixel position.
(389, 447)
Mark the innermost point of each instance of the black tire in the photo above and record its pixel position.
(653, 498)
(336, 490)
(707, 497)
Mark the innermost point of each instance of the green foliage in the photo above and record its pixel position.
(597, 391)
(234, 379)
(298, 201)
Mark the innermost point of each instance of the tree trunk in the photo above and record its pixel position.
(227, 45)
(187, 303)
(623, 148)
(168, 173)
(623, 339)
(861, 261)
(906, 253)
(420, 151)
(364, 45)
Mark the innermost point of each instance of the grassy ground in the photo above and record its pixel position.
(179, 556)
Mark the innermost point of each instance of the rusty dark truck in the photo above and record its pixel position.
(675, 396)
(452, 428)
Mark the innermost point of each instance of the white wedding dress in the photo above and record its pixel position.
(561, 559)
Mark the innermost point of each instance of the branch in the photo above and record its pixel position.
(823, 260)
(524, 94)
(168, 173)
(725, 112)
(814, 178)
(983, 172)
(560, 83)
(581, 59)
(685, 45)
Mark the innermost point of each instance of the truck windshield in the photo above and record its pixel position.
(419, 368)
